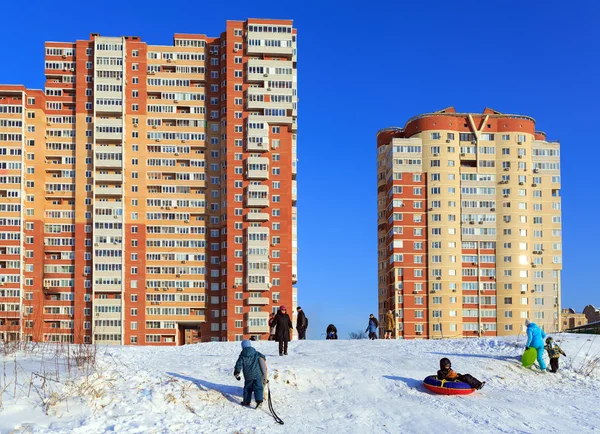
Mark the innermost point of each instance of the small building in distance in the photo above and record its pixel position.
(591, 313)
(571, 319)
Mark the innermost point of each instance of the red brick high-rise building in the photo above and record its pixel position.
(148, 194)
(469, 225)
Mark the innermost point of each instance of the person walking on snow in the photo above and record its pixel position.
(372, 327)
(554, 352)
(535, 339)
(283, 330)
(254, 367)
(301, 323)
(390, 325)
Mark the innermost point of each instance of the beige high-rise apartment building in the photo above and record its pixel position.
(148, 193)
(469, 225)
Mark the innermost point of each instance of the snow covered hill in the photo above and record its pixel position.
(340, 386)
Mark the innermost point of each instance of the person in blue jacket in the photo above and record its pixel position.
(372, 327)
(535, 339)
(253, 365)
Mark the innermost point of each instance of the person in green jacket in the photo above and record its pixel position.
(254, 367)
(554, 352)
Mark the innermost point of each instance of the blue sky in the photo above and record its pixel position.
(363, 66)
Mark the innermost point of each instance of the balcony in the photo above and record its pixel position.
(261, 145)
(108, 135)
(257, 217)
(257, 237)
(117, 218)
(115, 164)
(262, 49)
(109, 259)
(111, 177)
(257, 329)
(257, 168)
(60, 193)
(108, 108)
(108, 303)
(256, 315)
(253, 77)
(257, 195)
(108, 288)
(258, 286)
(257, 301)
(294, 191)
(109, 191)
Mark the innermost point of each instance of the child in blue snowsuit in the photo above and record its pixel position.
(254, 378)
(535, 339)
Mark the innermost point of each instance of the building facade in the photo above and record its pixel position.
(571, 319)
(592, 314)
(469, 225)
(148, 193)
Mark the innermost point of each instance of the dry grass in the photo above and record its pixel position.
(59, 367)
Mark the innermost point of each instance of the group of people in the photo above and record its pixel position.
(254, 367)
(281, 330)
(390, 326)
(254, 364)
(535, 339)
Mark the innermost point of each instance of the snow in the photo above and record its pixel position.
(343, 386)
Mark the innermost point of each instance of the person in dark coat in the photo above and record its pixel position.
(446, 373)
(301, 323)
(372, 327)
(331, 332)
(283, 330)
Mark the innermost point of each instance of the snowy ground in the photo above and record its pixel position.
(322, 386)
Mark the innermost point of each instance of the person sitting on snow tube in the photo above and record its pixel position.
(446, 373)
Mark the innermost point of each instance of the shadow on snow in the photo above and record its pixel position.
(410, 382)
(227, 391)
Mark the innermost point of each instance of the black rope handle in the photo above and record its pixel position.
(277, 418)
